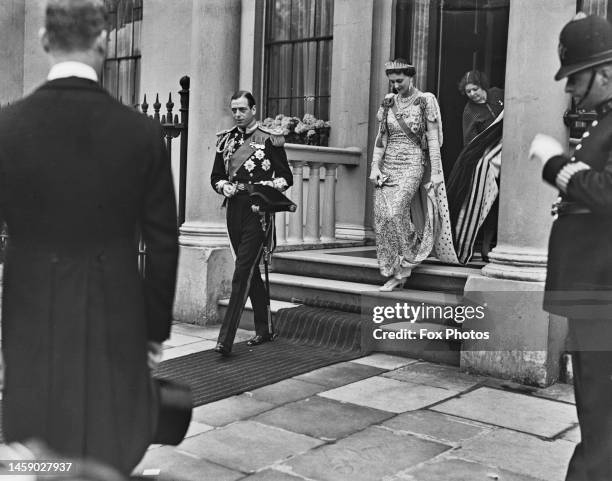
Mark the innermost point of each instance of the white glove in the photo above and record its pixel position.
(437, 178)
(154, 354)
(229, 190)
(543, 147)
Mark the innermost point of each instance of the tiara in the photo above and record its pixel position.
(397, 65)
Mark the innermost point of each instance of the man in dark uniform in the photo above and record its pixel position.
(579, 279)
(79, 173)
(247, 154)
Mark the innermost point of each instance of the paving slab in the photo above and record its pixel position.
(437, 375)
(340, 374)
(180, 466)
(286, 391)
(365, 456)
(573, 435)
(184, 350)
(248, 446)
(439, 427)
(558, 392)
(322, 418)
(177, 339)
(205, 332)
(229, 410)
(385, 361)
(528, 414)
(452, 469)
(272, 475)
(389, 394)
(196, 428)
(519, 453)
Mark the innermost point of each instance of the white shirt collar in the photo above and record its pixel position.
(72, 69)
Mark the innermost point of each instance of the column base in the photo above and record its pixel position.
(204, 272)
(525, 343)
(353, 232)
(516, 264)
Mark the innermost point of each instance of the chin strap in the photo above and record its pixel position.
(584, 97)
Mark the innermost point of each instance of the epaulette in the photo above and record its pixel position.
(277, 138)
(226, 131)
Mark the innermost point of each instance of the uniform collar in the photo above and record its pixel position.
(250, 130)
(72, 69)
(604, 107)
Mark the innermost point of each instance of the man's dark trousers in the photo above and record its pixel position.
(247, 238)
(592, 368)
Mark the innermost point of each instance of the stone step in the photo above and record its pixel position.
(339, 264)
(302, 289)
(246, 321)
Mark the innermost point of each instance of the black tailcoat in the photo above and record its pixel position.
(78, 173)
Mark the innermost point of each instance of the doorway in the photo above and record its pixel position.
(446, 38)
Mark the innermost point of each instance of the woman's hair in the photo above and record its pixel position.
(407, 68)
(247, 95)
(475, 77)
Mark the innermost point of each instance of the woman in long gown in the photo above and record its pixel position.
(410, 212)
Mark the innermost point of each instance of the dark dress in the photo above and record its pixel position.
(78, 173)
(477, 117)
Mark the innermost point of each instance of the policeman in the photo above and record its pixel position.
(579, 279)
(247, 154)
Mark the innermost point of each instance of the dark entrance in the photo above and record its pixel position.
(446, 38)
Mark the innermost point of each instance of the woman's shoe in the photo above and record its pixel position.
(392, 284)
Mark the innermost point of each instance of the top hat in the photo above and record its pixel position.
(173, 403)
(268, 199)
(585, 42)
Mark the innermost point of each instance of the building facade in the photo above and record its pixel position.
(325, 58)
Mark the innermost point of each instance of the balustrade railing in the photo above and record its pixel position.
(313, 223)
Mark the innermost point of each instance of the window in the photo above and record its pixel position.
(121, 75)
(297, 57)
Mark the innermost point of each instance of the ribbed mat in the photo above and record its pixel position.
(309, 338)
(213, 377)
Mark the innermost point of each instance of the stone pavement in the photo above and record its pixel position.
(380, 417)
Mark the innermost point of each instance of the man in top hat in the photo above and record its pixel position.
(79, 173)
(579, 278)
(247, 154)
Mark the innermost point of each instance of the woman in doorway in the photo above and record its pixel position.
(410, 212)
(484, 104)
(472, 184)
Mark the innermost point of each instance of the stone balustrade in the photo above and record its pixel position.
(314, 221)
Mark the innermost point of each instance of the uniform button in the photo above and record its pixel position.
(251, 175)
(585, 135)
(573, 159)
(250, 182)
(54, 259)
(579, 146)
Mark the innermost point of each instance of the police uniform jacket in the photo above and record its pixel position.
(579, 278)
(249, 157)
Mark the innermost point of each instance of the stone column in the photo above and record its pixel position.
(382, 38)
(206, 264)
(35, 62)
(349, 108)
(524, 343)
(12, 27)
